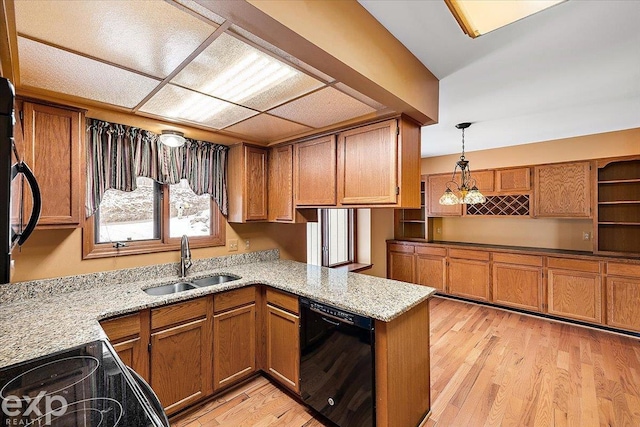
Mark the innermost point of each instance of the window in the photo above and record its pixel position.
(338, 237)
(152, 218)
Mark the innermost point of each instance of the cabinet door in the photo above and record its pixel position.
(283, 347)
(128, 351)
(234, 345)
(623, 310)
(315, 172)
(181, 355)
(436, 185)
(52, 139)
(469, 278)
(563, 190)
(129, 336)
(484, 181)
(256, 183)
(367, 164)
(431, 271)
(517, 286)
(281, 184)
(513, 180)
(401, 266)
(575, 294)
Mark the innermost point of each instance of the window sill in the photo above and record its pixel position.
(354, 267)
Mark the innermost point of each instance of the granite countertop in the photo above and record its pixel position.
(47, 323)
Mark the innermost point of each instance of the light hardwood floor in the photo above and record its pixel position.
(488, 368)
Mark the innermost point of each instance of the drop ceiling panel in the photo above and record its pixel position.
(323, 108)
(152, 37)
(201, 10)
(179, 103)
(266, 128)
(232, 70)
(53, 69)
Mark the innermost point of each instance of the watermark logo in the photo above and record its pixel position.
(23, 411)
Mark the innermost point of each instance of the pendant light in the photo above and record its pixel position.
(172, 138)
(469, 193)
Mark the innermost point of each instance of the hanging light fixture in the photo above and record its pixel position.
(469, 193)
(172, 138)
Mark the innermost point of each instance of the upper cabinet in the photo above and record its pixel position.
(379, 164)
(513, 180)
(247, 183)
(53, 149)
(281, 184)
(436, 185)
(315, 172)
(563, 190)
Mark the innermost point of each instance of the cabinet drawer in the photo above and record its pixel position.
(283, 300)
(121, 327)
(426, 250)
(574, 264)
(469, 254)
(621, 269)
(518, 259)
(178, 313)
(408, 249)
(231, 299)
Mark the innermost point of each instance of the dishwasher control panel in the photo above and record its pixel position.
(331, 311)
(338, 314)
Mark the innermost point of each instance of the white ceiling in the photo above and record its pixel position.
(568, 71)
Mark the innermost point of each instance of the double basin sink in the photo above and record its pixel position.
(194, 284)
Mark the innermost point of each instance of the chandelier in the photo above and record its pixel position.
(468, 193)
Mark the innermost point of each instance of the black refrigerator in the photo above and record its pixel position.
(16, 182)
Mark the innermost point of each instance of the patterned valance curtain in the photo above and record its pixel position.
(117, 154)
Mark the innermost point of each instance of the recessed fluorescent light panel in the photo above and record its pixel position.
(480, 17)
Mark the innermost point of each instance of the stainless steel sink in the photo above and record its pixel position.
(171, 289)
(214, 280)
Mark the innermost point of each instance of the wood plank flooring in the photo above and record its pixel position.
(488, 368)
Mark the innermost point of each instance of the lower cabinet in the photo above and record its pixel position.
(574, 289)
(234, 336)
(283, 339)
(431, 267)
(181, 353)
(400, 263)
(129, 336)
(517, 281)
(469, 276)
(623, 295)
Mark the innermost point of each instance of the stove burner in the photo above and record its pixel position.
(96, 412)
(75, 370)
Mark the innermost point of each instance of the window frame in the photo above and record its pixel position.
(91, 249)
(352, 228)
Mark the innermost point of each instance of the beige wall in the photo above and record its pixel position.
(548, 233)
(381, 230)
(55, 253)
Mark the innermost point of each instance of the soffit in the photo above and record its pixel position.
(179, 62)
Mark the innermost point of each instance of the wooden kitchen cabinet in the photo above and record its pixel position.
(436, 186)
(379, 164)
(513, 180)
(234, 336)
(400, 262)
(517, 281)
(574, 289)
(53, 149)
(315, 172)
(623, 296)
(563, 190)
(283, 339)
(129, 336)
(181, 343)
(485, 181)
(247, 183)
(281, 207)
(431, 267)
(468, 274)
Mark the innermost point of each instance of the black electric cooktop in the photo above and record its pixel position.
(83, 387)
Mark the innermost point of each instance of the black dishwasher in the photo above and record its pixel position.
(337, 364)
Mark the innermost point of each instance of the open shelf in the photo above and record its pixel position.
(411, 223)
(621, 202)
(418, 221)
(618, 223)
(619, 181)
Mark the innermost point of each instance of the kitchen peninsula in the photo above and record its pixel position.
(65, 312)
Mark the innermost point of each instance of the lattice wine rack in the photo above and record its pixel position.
(512, 205)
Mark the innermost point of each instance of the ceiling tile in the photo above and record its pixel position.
(179, 103)
(232, 70)
(152, 37)
(323, 108)
(201, 10)
(266, 128)
(46, 67)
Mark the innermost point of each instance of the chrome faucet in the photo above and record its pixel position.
(185, 256)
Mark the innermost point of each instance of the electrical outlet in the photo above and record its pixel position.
(246, 244)
(233, 245)
(438, 230)
(586, 235)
